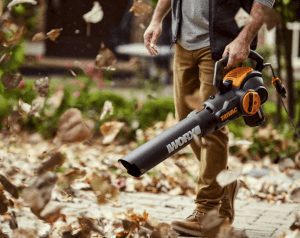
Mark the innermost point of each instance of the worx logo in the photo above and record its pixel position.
(181, 140)
(228, 114)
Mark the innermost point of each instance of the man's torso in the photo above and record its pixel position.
(194, 32)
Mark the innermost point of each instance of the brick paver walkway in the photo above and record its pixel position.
(259, 219)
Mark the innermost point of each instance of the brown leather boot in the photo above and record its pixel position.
(227, 203)
(191, 225)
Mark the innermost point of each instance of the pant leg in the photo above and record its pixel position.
(186, 79)
(215, 152)
(186, 82)
(193, 70)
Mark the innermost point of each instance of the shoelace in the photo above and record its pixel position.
(196, 214)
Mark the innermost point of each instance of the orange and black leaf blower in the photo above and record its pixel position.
(241, 93)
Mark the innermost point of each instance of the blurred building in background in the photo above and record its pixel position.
(118, 27)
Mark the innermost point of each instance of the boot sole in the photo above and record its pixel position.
(183, 231)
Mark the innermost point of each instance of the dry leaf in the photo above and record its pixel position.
(38, 194)
(9, 187)
(16, 2)
(286, 164)
(163, 230)
(24, 108)
(37, 105)
(242, 18)
(11, 81)
(72, 127)
(39, 37)
(140, 8)
(56, 160)
(296, 223)
(107, 110)
(12, 220)
(52, 212)
(11, 34)
(226, 177)
(102, 186)
(65, 181)
(54, 102)
(22, 233)
(11, 122)
(4, 57)
(295, 195)
(2, 235)
(73, 73)
(132, 223)
(88, 225)
(4, 203)
(42, 86)
(105, 59)
(110, 130)
(54, 34)
(95, 15)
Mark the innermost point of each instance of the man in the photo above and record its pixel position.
(205, 31)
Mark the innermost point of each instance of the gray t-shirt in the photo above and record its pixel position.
(194, 26)
(195, 23)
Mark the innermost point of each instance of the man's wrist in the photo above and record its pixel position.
(245, 37)
(251, 29)
(156, 21)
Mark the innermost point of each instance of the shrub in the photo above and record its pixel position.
(154, 110)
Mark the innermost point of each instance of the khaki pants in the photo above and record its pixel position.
(193, 70)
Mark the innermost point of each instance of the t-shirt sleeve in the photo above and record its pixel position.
(268, 3)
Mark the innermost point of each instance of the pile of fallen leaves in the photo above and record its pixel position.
(42, 181)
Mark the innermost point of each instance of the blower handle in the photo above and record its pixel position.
(221, 64)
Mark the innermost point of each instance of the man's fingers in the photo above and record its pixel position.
(150, 39)
(147, 41)
(153, 42)
(154, 38)
(150, 43)
(226, 52)
(231, 62)
(154, 49)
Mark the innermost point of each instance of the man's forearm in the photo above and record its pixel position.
(251, 29)
(161, 10)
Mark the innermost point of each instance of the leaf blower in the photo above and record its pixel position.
(241, 93)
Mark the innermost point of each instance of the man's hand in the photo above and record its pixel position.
(154, 30)
(151, 36)
(237, 51)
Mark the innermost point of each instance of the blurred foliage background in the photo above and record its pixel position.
(83, 93)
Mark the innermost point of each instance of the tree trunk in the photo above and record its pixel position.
(278, 117)
(289, 69)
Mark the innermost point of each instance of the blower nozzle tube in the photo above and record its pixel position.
(169, 142)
